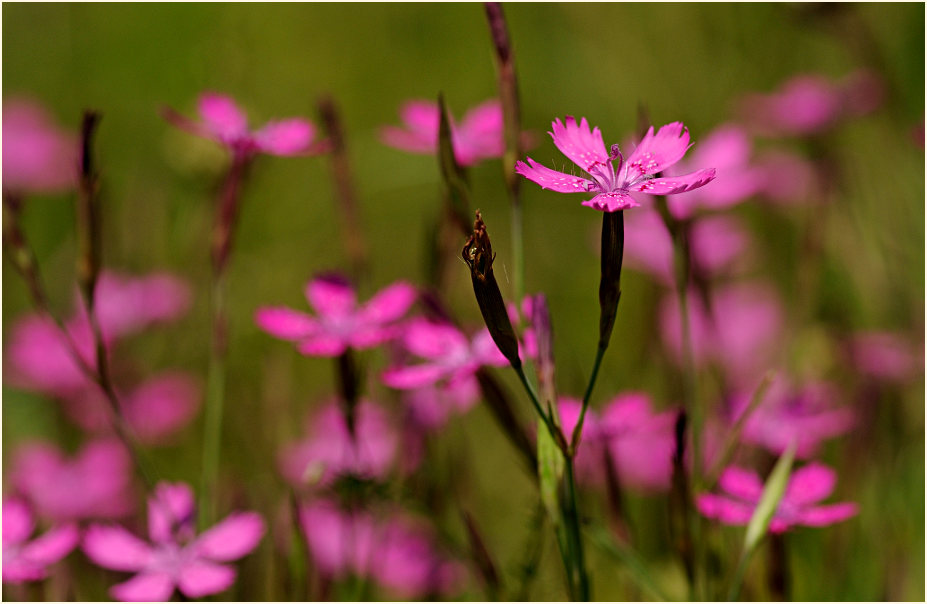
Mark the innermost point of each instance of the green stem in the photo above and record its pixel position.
(581, 577)
(555, 432)
(574, 439)
(734, 592)
(215, 401)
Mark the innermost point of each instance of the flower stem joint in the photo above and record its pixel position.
(478, 255)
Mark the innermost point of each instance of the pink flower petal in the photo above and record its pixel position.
(810, 484)
(114, 547)
(223, 117)
(331, 296)
(648, 245)
(170, 510)
(200, 578)
(434, 341)
(611, 202)
(414, 376)
(656, 152)
(743, 484)
(21, 570)
(322, 345)
(480, 134)
(389, 304)
(285, 137)
(824, 515)
(232, 538)
(672, 185)
(37, 155)
(162, 405)
(53, 545)
(126, 304)
(144, 587)
(285, 323)
(17, 522)
(723, 509)
(551, 179)
(584, 148)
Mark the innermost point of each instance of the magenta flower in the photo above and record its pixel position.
(451, 358)
(590, 467)
(25, 560)
(788, 177)
(640, 441)
(156, 409)
(176, 557)
(39, 357)
(96, 483)
(613, 184)
(430, 407)
(224, 122)
(798, 507)
(479, 136)
(339, 323)
(38, 157)
(740, 334)
(329, 451)
(886, 356)
(394, 551)
(728, 149)
(717, 244)
(806, 415)
(809, 104)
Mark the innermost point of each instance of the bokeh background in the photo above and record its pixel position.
(685, 62)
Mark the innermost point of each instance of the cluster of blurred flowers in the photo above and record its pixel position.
(736, 321)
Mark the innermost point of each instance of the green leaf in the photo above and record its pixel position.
(773, 491)
(550, 472)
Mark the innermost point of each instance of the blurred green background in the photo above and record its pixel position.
(683, 62)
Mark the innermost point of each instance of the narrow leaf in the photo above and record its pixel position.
(773, 491)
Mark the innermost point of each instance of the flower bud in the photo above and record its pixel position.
(477, 253)
(610, 283)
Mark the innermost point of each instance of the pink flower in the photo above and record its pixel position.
(590, 460)
(96, 483)
(394, 551)
(886, 356)
(717, 244)
(614, 184)
(156, 409)
(224, 122)
(329, 450)
(38, 157)
(176, 557)
(39, 357)
(788, 177)
(807, 416)
(809, 104)
(740, 333)
(806, 487)
(451, 358)
(339, 323)
(430, 407)
(640, 442)
(728, 149)
(28, 560)
(479, 136)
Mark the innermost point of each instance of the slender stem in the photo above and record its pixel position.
(579, 560)
(555, 432)
(222, 236)
(578, 429)
(734, 591)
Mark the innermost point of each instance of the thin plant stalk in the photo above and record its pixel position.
(222, 237)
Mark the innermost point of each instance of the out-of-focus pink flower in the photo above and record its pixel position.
(155, 410)
(176, 557)
(394, 551)
(612, 184)
(809, 104)
(222, 120)
(451, 358)
(740, 334)
(717, 244)
(25, 560)
(590, 460)
(798, 506)
(807, 416)
(431, 406)
(479, 136)
(38, 157)
(340, 323)
(330, 451)
(886, 356)
(640, 441)
(787, 177)
(95, 484)
(39, 357)
(728, 150)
